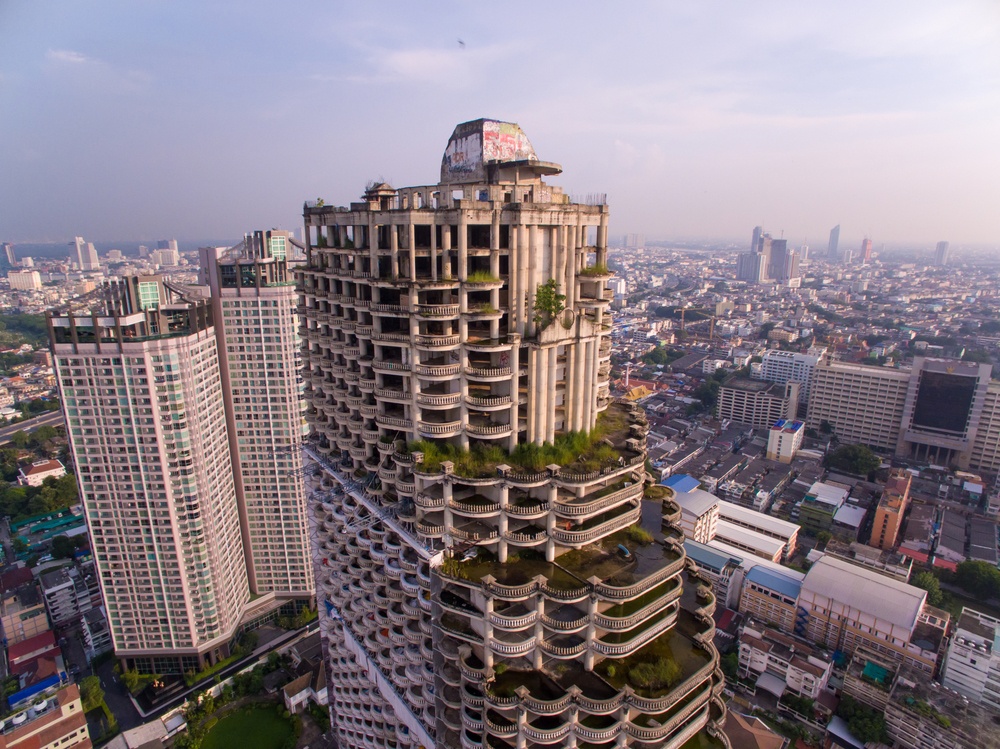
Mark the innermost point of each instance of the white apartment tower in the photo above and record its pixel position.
(473, 590)
(143, 399)
(256, 318)
(84, 254)
(790, 366)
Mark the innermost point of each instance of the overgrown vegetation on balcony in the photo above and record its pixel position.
(598, 269)
(656, 668)
(581, 452)
(481, 276)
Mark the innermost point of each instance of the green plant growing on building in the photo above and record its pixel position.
(548, 303)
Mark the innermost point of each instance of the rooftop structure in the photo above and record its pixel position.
(759, 404)
(972, 662)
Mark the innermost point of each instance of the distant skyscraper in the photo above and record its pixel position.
(634, 241)
(804, 253)
(866, 251)
(167, 244)
(84, 254)
(942, 253)
(831, 249)
(758, 231)
(7, 258)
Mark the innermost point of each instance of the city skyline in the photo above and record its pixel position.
(698, 123)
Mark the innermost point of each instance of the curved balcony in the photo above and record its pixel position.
(489, 403)
(438, 311)
(562, 651)
(393, 421)
(392, 394)
(488, 374)
(433, 371)
(427, 502)
(475, 507)
(565, 625)
(526, 537)
(437, 341)
(530, 509)
(581, 537)
(467, 665)
(622, 649)
(385, 365)
(434, 400)
(488, 430)
(513, 623)
(616, 593)
(389, 309)
(483, 312)
(581, 507)
(512, 648)
(430, 531)
(489, 344)
(436, 429)
(609, 621)
(500, 727)
(547, 735)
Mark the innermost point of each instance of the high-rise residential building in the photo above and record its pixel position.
(24, 280)
(473, 589)
(789, 366)
(184, 424)
(942, 253)
(833, 246)
(256, 321)
(891, 508)
(755, 266)
(758, 232)
(84, 255)
(972, 663)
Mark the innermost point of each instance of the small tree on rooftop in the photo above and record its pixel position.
(548, 303)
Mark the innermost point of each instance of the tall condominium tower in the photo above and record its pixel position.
(185, 417)
(84, 254)
(942, 253)
(490, 572)
(866, 251)
(256, 318)
(8, 260)
(143, 398)
(834, 244)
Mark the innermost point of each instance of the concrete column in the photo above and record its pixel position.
(515, 394)
(532, 389)
(588, 654)
(411, 241)
(513, 283)
(434, 252)
(463, 246)
(550, 522)
(550, 432)
(534, 272)
(579, 384)
(446, 251)
(394, 248)
(586, 398)
(543, 402)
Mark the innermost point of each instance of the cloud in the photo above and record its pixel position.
(67, 56)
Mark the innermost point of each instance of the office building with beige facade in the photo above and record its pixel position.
(453, 334)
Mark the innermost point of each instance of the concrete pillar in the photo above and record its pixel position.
(534, 272)
(513, 283)
(411, 242)
(446, 251)
(532, 389)
(434, 252)
(394, 249)
(463, 245)
(586, 399)
(515, 394)
(550, 401)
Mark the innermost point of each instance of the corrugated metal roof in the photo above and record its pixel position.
(864, 590)
(775, 581)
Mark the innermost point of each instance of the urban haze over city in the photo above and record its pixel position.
(532, 376)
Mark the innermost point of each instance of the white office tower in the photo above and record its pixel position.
(256, 313)
(143, 399)
(486, 579)
(84, 255)
(790, 366)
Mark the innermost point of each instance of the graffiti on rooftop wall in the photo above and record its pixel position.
(489, 140)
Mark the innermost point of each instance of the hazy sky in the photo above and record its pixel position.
(142, 119)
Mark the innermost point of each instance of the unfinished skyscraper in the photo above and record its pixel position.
(489, 570)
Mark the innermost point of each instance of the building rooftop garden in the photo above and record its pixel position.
(578, 452)
(656, 668)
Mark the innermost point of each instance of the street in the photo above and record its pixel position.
(52, 419)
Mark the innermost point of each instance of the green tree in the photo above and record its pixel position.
(981, 579)
(63, 547)
(20, 545)
(20, 439)
(865, 723)
(856, 459)
(91, 693)
(823, 538)
(927, 581)
(548, 303)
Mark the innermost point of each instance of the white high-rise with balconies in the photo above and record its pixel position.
(490, 574)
